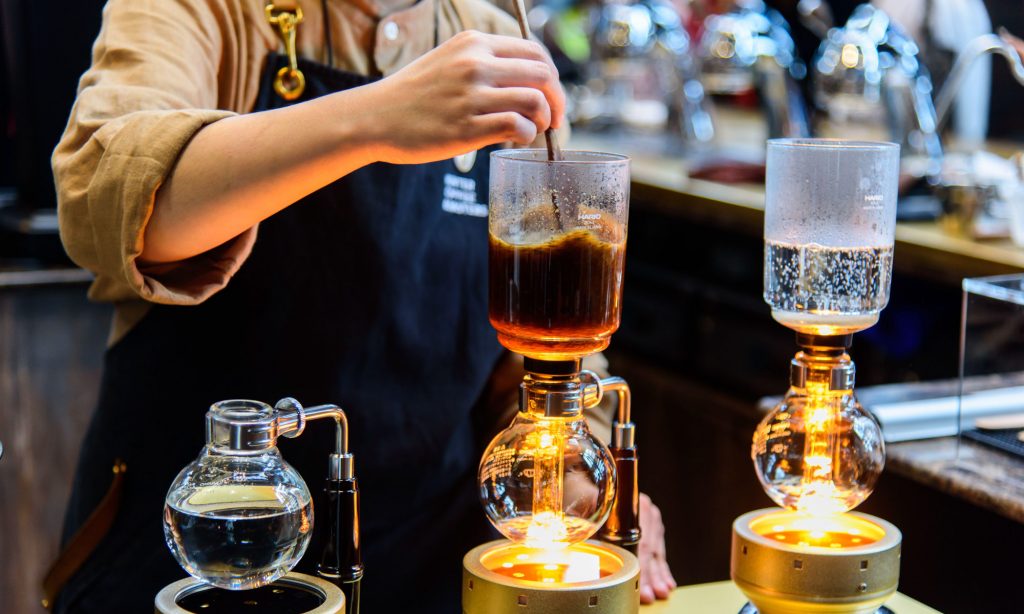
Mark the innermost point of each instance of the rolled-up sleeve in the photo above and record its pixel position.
(153, 84)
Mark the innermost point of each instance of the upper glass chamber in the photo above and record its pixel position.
(830, 222)
(557, 250)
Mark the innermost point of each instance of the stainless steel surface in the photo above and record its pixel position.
(841, 375)
(963, 205)
(816, 16)
(240, 424)
(749, 608)
(556, 396)
(749, 48)
(623, 435)
(250, 426)
(341, 467)
(487, 592)
(870, 82)
(983, 45)
(334, 600)
(12, 277)
(633, 38)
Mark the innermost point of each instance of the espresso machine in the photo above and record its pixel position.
(239, 517)
(557, 250)
(830, 216)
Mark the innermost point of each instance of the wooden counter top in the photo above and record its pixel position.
(921, 247)
(725, 598)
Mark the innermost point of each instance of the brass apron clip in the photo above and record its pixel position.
(289, 82)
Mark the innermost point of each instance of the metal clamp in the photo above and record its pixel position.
(841, 376)
(623, 429)
(289, 83)
(251, 426)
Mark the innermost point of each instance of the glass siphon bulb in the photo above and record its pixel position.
(238, 520)
(546, 482)
(818, 451)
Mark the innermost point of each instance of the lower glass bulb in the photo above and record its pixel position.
(546, 482)
(238, 520)
(818, 451)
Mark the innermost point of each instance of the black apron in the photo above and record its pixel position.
(370, 293)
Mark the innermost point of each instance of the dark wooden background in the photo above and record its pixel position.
(51, 344)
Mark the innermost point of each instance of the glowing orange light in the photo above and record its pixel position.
(808, 531)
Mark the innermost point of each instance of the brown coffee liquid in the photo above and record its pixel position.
(559, 299)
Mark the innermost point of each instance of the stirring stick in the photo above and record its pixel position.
(554, 151)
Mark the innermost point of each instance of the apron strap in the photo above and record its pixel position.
(85, 541)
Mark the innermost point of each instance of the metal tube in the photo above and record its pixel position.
(621, 388)
(986, 43)
(291, 422)
(340, 420)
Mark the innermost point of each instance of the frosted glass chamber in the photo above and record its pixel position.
(830, 223)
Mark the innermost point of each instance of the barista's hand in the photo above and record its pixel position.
(656, 579)
(472, 91)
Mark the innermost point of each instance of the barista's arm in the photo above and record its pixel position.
(165, 74)
(472, 91)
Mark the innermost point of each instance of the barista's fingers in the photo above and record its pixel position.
(515, 72)
(515, 47)
(525, 101)
(506, 126)
(511, 48)
(656, 579)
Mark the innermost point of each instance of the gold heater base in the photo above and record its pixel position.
(791, 578)
(485, 591)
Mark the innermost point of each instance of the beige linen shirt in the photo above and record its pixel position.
(161, 71)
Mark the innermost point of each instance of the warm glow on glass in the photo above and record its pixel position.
(818, 451)
(547, 528)
(545, 482)
(819, 494)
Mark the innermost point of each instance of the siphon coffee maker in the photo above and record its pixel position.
(830, 218)
(557, 251)
(239, 517)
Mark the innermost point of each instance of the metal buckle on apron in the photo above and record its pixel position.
(289, 82)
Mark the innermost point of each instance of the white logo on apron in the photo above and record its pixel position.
(460, 196)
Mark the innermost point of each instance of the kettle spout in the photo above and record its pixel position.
(984, 44)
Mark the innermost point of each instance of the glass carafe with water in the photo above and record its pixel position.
(238, 518)
(557, 250)
(830, 223)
